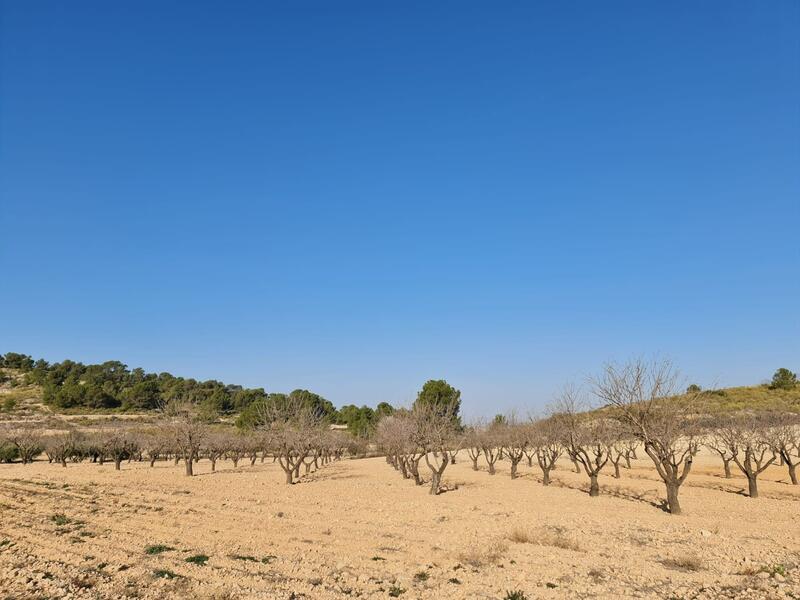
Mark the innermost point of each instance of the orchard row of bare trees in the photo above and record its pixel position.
(295, 446)
(640, 408)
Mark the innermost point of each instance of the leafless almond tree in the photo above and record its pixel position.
(587, 439)
(544, 439)
(435, 435)
(746, 437)
(784, 437)
(644, 397)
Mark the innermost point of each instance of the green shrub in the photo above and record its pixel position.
(157, 549)
(8, 453)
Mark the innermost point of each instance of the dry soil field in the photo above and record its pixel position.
(357, 529)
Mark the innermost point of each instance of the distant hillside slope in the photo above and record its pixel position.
(756, 398)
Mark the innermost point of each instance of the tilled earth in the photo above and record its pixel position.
(357, 529)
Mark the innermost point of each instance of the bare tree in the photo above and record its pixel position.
(435, 435)
(716, 443)
(643, 397)
(746, 437)
(118, 444)
(489, 447)
(514, 438)
(187, 432)
(472, 443)
(784, 437)
(61, 446)
(291, 425)
(544, 440)
(587, 439)
(28, 442)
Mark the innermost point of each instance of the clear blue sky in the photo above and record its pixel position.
(356, 197)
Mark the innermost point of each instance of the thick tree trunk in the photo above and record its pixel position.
(64, 462)
(793, 472)
(513, 469)
(189, 466)
(213, 465)
(436, 479)
(673, 505)
(545, 476)
(152, 462)
(594, 487)
(297, 471)
(616, 470)
(491, 469)
(288, 476)
(627, 461)
(474, 464)
(576, 465)
(117, 463)
(752, 486)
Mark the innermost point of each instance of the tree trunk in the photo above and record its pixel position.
(727, 466)
(189, 466)
(576, 465)
(491, 469)
(594, 487)
(64, 462)
(673, 505)
(627, 461)
(117, 463)
(436, 479)
(752, 486)
(297, 470)
(616, 470)
(152, 462)
(474, 464)
(513, 470)
(792, 472)
(213, 465)
(288, 476)
(545, 476)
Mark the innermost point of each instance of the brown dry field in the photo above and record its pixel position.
(357, 529)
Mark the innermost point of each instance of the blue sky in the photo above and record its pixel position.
(357, 197)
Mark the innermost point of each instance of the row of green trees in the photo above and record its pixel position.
(112, 385)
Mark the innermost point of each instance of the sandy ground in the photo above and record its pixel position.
(357, 529)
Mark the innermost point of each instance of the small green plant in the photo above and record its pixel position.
(157, 549)
(198, 559)
(165, 574)
(515, 595)
(59, 519)
(421, 576)
(396, 591)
